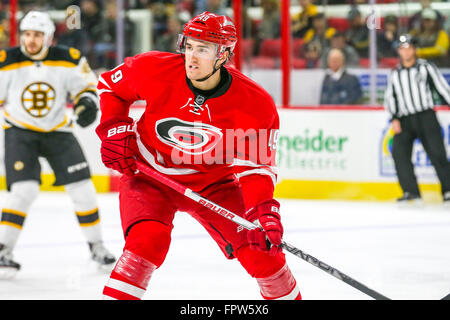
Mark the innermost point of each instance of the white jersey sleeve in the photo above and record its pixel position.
(82, 81)
(4, 78)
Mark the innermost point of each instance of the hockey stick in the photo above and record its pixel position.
(248, 225)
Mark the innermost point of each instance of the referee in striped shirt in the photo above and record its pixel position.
(409, 101)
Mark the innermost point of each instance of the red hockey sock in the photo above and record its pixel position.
(274, 277)
(130, 278)
(280, 286)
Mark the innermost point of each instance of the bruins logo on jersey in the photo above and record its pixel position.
(38, 98)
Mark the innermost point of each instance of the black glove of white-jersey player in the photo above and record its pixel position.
(86, 110)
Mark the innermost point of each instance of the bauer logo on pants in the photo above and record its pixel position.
(188, 137)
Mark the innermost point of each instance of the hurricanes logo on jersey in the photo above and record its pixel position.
(188, 137)
(38, 99)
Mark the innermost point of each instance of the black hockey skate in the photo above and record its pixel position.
(101, 255)
(447, 199)
(8, 267)
(409, 198)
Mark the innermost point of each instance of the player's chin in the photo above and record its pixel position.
(32, 50)
(194, 75)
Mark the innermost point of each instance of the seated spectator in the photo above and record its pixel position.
(105, 48)
(339, 87)
(338, 42)
(311, 53)
(249, 25)
(432, 40)
(302, 22)
(416, 20)
(168, 41)
(358, 33)
(213, 6)
(159, 16)
(387, 37)
(91, 24)
(62, 4)
(139, 4)
(91, 18)
(269, 28)
(319, 31)
(70, 34)
(187, 6)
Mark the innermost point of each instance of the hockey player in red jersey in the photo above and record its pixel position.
(208, 127)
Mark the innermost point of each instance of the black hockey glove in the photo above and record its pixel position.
(86, 110)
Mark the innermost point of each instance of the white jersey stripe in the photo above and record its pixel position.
(125, 288)
(291, 295)
(100, 91)
(100, 79)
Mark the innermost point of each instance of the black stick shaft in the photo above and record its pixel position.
(332, 271)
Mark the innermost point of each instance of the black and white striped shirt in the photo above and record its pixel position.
(410, 89)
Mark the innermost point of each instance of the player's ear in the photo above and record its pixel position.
(225, 57)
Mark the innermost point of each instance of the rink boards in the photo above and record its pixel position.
(334, 152)
(345, 153)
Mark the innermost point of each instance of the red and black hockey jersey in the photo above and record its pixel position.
(197, 140)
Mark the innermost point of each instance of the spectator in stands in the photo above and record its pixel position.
(311, 53)
(91, 24)
(432, 40)
(249, 25)
(213, 6)
(105, 48)
(416, 19)
(160, 17)
(269, 28)
(168, 41)
(319, 31)
(28, 5)
(69, 33)
(139, 4)
(187, 6)
(338, 41)
(302, 22)
(91, 18)
(62, 4)
(339, 87)
(387, 37)
(358, 33)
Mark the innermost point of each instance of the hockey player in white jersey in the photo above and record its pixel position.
(35, 80)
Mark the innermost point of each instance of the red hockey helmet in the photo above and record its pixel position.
(210, 27)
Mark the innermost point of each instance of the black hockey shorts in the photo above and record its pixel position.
(61, 149)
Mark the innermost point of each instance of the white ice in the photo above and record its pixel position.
(403, 253)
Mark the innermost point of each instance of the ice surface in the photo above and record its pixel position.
(403, 253)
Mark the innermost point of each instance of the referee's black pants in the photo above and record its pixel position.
(425, 126)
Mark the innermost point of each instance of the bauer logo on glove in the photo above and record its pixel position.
(119, 146)
(119, 129)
